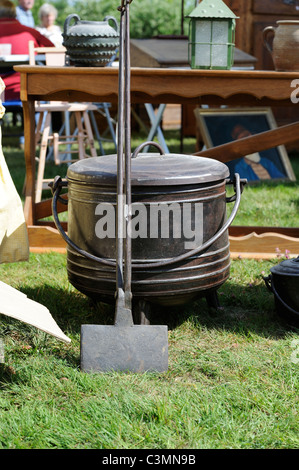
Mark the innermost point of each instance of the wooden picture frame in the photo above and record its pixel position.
(219, 126)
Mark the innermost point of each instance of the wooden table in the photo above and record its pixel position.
(182, 86)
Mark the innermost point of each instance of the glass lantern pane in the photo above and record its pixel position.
(203, 55)
(220, 32)
(203, 31)
(219, 55)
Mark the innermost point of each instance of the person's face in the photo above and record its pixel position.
(243, 133)
(48, 20)
(26, 4)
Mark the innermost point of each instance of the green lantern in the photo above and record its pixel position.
(211, 36)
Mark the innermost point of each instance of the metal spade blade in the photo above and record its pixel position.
(136, 348)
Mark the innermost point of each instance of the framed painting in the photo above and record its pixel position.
(219, 126)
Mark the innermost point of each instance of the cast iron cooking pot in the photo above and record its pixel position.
(165, 270)
(284, 283)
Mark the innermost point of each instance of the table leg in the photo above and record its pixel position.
(155, 122)
(29, 153)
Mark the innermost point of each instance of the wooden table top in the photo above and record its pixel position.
(159, 85)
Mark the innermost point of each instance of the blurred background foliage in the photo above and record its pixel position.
(148, 17)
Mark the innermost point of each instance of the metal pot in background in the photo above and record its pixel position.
(283, 282)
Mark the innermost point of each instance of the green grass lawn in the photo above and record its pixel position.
(232, 380)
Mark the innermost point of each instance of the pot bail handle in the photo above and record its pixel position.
(267, 33)
(270, 286)
(56, 187)
(68, 20)
(238, 184)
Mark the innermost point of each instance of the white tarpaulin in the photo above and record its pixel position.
(15, 304)
(14, 246)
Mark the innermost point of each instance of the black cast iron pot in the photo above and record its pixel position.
(165, 270)
(284, 283)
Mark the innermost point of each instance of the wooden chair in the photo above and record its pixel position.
(44, 137)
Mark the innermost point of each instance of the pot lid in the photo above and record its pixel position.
(150, 169)
(288, 267)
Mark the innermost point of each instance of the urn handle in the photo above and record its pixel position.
(268, 32)
(68, 20)
(107, 18)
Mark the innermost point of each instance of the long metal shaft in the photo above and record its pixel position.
(128, 248)
(120, 164)
(123, 314)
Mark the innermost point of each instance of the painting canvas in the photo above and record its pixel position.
(219, 126)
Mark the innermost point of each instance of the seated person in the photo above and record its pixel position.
(18, 35)
(47, 15)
